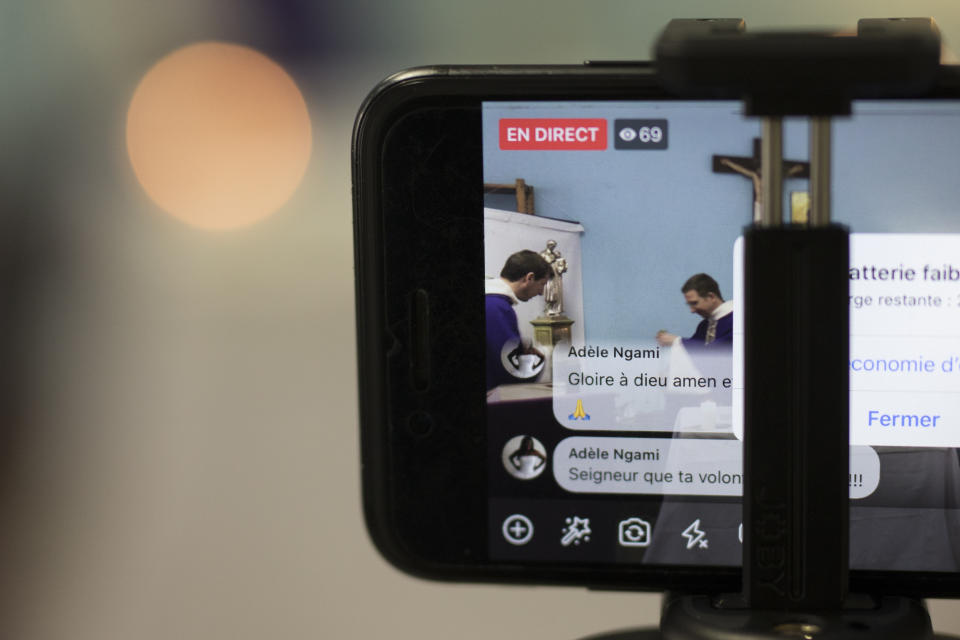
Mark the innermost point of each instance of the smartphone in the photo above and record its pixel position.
(550, 354)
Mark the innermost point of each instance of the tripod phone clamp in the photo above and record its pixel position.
(796, 381)
(796, 415)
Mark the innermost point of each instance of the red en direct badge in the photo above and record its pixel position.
(553, 134)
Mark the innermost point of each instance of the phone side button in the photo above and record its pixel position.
(420, 340)
(419, 424)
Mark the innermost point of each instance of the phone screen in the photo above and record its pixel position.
(612, 243)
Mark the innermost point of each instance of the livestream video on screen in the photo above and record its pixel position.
(612, 243)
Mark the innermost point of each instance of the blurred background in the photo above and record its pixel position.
(179, 455)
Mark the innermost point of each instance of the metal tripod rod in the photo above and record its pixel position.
(819, 171)
(771, 172)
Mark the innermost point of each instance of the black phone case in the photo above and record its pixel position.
(417, 191)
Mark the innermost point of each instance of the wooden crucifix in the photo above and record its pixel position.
(750, 168)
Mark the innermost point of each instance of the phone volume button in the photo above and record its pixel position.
(420, 340)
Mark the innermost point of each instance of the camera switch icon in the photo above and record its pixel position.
(634, 532)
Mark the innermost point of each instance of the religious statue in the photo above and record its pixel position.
(553, 291)
(553, 327)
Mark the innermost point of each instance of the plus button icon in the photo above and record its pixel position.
(517, 529)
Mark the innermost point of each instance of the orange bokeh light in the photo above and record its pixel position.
(218, 135)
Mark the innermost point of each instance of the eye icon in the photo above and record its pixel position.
(634, 532)
(627, 134)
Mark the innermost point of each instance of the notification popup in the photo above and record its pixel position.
(904, 340)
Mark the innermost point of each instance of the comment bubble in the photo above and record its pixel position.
(641, 386)
(864, 471)
(674, 466)
(666, 466)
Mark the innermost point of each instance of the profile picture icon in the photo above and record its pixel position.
(522, 364)
(524, 457)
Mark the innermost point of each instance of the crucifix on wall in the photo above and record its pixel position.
(749, 167)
